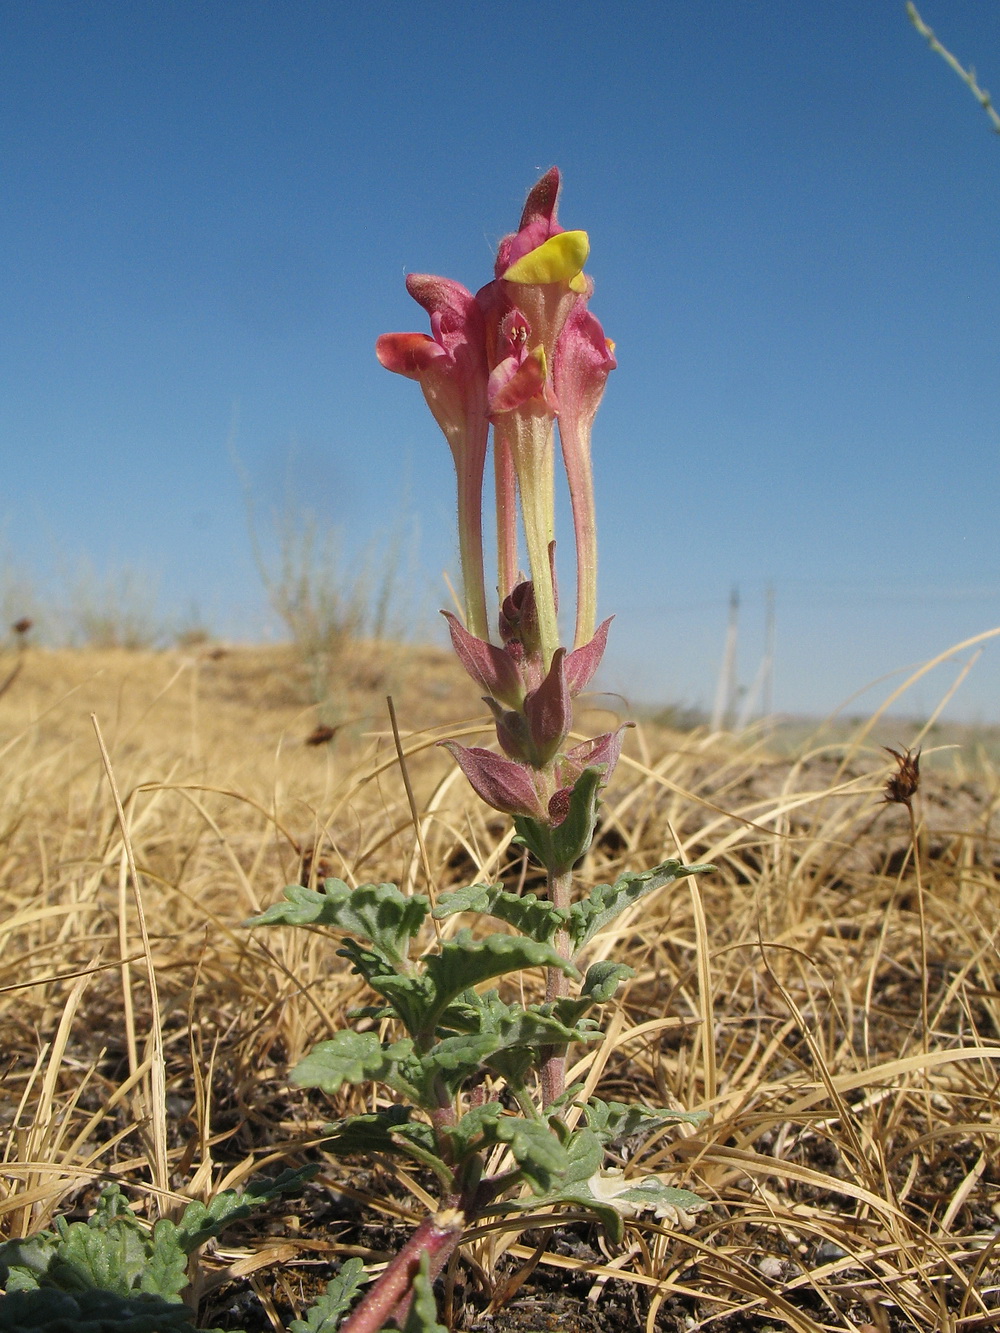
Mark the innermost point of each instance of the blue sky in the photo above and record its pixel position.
(210, 209)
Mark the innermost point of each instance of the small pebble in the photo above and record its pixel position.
(827, 1253)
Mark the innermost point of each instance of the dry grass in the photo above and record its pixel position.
(850, 1152)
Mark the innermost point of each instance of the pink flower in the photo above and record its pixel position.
(584, 359)
(539, 278)
(541, 264)
(450, 366)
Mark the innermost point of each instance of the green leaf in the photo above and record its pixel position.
(549, 1156)
(199, 1221)
(603, 979)
(390, 1132)
(572, 838)
(599, 986)
(613, 1121)
(379, 913)
(616, 1199)
(355, 1057)
(475, 1130)
(325, 1315)
(606, 901)
(464, 962)
(541, 1158)
(113, 1258)
(373, 1132)
(576, 1156)
(412, 998)
(517, 1030)
(651, 1194)
(24, 1262)
(49, 1310)
(527, 913)
(109, 1274)
(422, 1315)
(559, 848)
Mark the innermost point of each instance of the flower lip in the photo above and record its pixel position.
(560, 258)
(409, 354)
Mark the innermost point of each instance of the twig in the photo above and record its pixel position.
(968, 76)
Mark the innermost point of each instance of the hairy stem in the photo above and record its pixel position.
(470, 540)
(557, 985)
(390, 1297)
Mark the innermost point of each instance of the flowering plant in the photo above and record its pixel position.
(478, 1080)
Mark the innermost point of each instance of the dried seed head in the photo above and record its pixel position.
(22, 626)
(903, 785)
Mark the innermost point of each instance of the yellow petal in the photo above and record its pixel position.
(559, 259)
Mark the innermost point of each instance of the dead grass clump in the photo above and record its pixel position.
(830, 996)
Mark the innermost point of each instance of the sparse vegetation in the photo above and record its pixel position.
(849, 1156)
(324, 601)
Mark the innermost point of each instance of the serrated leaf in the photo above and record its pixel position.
(599, 986)
(109, 1274)
(613, 1121)
(518, 1030)
(412, 997)
(464, 962)
(651, 1195)
(378, 913)
(541, 1157)
(113, 1257)
(606, 901)
(458, 1058)
(474, 1130)
(422, 1314)
(22, 1262)
(199, 1221)
(354, 1057)
(390, 1131)
(376, 1012)
(603, 979)
(372, 1132)
(326, 1315)
(532, 916)
(166, 1274)
(584, 1156)
(581, 1156)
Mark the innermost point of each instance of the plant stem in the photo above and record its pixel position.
(925, 1016)
(437, 1236)
(470, 540)
(557, 985)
